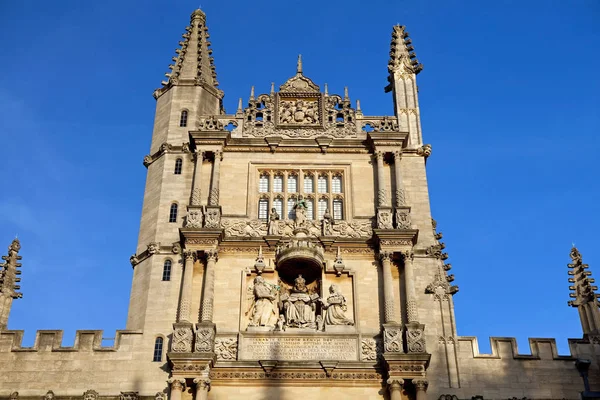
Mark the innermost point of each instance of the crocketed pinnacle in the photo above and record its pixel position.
(402, 56)
(583, 292)
(8, 271)
(193, 65)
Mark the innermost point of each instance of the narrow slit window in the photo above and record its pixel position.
(338, 209)
(292, 184)
(183, 119)
(166, 276)
(278, 183)
(263, 208)
(336, 184)
(158, 349)
(178, 166)
(322, 208)
(308, 184)
(173, 213)
(263, 183)
(322, 184)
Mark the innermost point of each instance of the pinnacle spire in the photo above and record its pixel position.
(9, 281)
(402, 55)
(193, 64)
(584, 293)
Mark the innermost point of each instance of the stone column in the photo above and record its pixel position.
(381, 192)
(421, 387)
(400, 194)
(214, 190)
(186, 288)
(395, 388)
(209, 286)
(388, 288)
(202, 388)
(409, 277)
(197, 184)
(177, 387)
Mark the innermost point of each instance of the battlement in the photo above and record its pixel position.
(540, 348)
(51, 340)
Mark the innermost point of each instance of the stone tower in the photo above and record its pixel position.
(287, 250)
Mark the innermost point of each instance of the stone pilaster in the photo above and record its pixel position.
(196, 199)
(213, 199)
(177, 386)
(402, 210)
(409, 277)
(209, 285)
(395, 388)
(421, 388)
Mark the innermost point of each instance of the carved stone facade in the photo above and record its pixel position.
(301, 263)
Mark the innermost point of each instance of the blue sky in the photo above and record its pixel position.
(509, 100)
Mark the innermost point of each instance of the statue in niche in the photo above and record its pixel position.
(263, 310)
(300, 211)
(326, 223)
(336, 308)
(273, 229)
(299, 306)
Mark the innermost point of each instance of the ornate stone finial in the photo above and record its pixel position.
(198, 14)
(252, 93)
(583, 293)
(326, 90)
(260, 265)
(240, 108)
(346, 96)
(358, 110)
(299, 65)
(9, 282)
(338, 264)
(272, 88)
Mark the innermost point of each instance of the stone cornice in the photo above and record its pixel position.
(165, 148)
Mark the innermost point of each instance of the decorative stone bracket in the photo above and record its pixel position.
(164, 149)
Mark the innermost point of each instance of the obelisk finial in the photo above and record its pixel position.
(299, 66)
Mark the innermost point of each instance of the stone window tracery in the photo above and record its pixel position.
(282, 189)
(183, 119)
(158, 349)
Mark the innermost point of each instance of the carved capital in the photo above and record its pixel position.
(395, 383)
(379, 154)
(408, 255)
(211, 255)
(397, 155)
(176, 383)
(189, 255)
(218, 155)
(386, 256)
(420, 384)
(202, 384)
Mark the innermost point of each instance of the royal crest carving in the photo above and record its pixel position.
(299, 111)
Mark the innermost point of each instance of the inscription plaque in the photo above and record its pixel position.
(299, 348)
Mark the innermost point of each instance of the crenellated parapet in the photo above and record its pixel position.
(51, 340)
(539, 348)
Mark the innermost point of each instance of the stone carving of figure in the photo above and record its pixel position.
(280, 324)
(263, 311)
(14, 396)
(90, 395)
(326, 223)
(273, 229)
(300, 209)
(299, 306)
(159, 396)
(336, 308)
(49, 395)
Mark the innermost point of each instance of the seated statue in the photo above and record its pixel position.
(336, 308)
(263, 310)
(299, 306)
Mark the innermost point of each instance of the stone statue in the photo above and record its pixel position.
(326, 223)
(263, 310)
(49, 395)
(300, 208)
(90, 395)
(320, 324)
(299, 306)
(336, 308)
(280, 324)
(273, 229)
